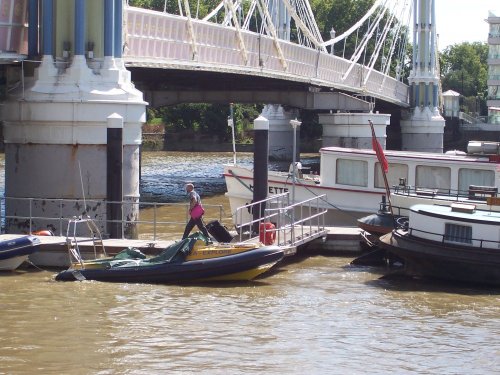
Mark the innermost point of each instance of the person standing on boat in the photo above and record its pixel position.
(195, 217)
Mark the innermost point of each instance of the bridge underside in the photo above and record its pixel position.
(164, 87)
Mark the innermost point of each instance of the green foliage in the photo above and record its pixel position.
(464, 69)
(207, 119)
(310, 127)
(339, 14)
(198, 9)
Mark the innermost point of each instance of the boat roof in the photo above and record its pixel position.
(459, 214)
(407, 154)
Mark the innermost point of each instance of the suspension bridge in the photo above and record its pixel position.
(262, 50)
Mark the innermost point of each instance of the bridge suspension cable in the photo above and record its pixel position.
(389, 26)
(368, 66)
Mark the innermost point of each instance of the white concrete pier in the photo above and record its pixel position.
(352, 129)
(55, 125)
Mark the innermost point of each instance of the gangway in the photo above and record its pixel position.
(292, 225)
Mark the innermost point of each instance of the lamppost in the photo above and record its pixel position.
(230, 123)
(295, 123)
(332, 36)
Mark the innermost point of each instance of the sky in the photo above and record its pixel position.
(459, 21)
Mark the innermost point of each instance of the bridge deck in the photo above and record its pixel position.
(208, 47)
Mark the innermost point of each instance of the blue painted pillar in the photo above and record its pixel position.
(426, 95)
(47, 24)
(108, 27)
(118, 28)
(80, 21)
(33, 29)
(435, 96)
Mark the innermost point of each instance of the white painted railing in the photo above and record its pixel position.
(156, 39)
(29, 218)
(291, 225)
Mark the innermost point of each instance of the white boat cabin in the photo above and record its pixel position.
(431, 173)
(458, 224)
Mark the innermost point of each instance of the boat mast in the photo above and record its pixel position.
(382, 162)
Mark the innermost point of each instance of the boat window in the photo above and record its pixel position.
(467, 177)
(433, 178)
(352, 172)
(396, 171)
(458, 233)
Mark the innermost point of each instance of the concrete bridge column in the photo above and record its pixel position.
(55, 130)
(352, 129)
(422, 130)
(280, 132)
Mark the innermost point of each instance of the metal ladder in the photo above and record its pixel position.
(73, 242)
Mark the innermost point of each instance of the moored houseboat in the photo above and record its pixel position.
(456, 243)
(353, 182)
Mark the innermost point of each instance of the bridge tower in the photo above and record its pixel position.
(56, 125)
(423, 127)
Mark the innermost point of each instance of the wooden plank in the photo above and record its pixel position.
(493, 201)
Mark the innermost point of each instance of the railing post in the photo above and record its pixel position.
(60, 217)
(154, 222)
(123, 220)
(31, 214)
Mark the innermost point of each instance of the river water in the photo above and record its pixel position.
(315, 314)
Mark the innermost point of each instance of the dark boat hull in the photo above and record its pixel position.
(222, 268)
(15, 251)
(444, 261)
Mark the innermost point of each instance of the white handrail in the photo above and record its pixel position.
(308, 218)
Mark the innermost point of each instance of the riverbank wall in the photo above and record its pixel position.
(207, 143)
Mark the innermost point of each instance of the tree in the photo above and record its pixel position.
(198, 9)
(464, 69)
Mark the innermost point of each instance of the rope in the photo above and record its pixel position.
(331, 204)
(239, 180)
(34, 265)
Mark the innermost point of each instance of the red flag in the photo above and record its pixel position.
(378, 149)
(380, 154)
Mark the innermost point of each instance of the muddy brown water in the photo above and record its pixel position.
(313, 315)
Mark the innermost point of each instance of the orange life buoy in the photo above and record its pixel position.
(43, 232)
(267, 233)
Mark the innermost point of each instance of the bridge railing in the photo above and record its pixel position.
(156, 39)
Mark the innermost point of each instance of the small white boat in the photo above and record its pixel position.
(456, 243)
(353, 182)
(15, 250)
